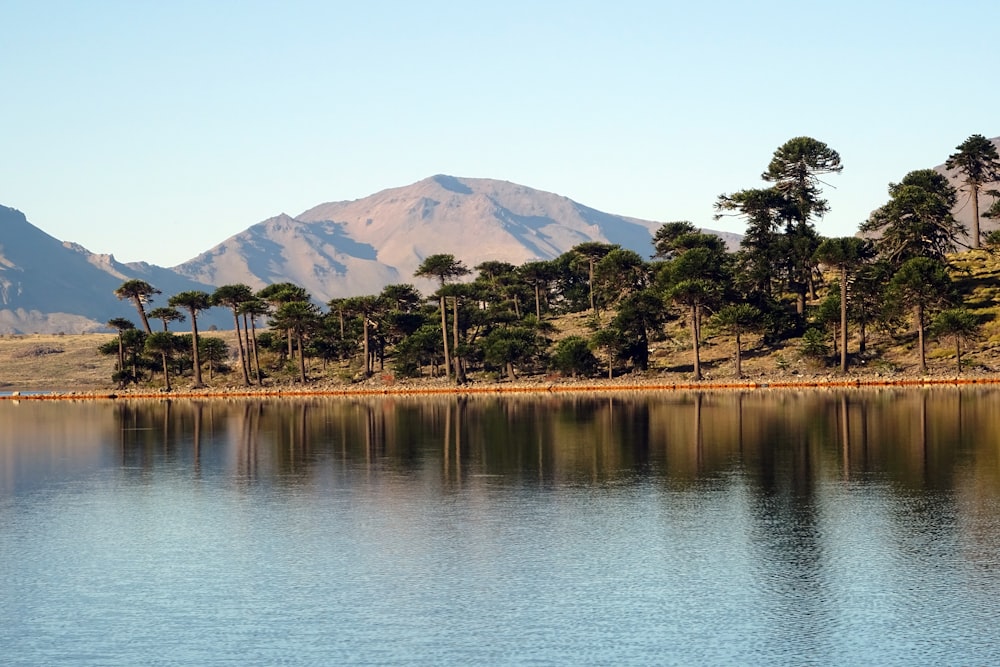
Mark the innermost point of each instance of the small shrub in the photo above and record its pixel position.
(814, 345)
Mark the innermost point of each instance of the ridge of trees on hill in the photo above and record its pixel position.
(785, 283)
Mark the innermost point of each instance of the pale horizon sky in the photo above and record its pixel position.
(154, 131)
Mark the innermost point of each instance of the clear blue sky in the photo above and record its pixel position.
(155, 130)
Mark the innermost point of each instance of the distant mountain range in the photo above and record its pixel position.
(332, 250)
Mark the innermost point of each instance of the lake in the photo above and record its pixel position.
(730, 528)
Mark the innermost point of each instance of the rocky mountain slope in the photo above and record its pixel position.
(48, 286)
(357, 247)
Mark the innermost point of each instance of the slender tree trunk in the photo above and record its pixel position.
(694, 342)
(366, 345)
(239, 345)
(459, 373)
(739, 355)
(538, 302)
(919, 314)
(843, 319)
(302, 357)
(121, 352)
(975, 216)
(256, 357)
(195, 359)
(142, 314)
(444, 337)
(958, 355)
(166, 372)
(246, 340)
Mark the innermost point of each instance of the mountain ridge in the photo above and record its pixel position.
(333, 249)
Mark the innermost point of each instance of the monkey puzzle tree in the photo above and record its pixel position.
(299, 317)
(365, 308)
(921, 284)
(166, 314)
(591, 252)
(795, 169)
(162, 343)
(121, 325)
(917, 219)
(737, 319)
(538, 275)
(763, 209)
(193, 301)
(139, 292)
(233, 297)
(978, 164)
(443, 268)
(958, 324)
(276, 294)
(845, 254)
(251, 310)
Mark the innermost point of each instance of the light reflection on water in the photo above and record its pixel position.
(817, 528)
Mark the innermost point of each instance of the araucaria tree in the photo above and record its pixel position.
(917, 219)
(795, 170)
(978, 164)
(844, 254)
(193, 302)
(794, 202)
(921, 284)
(737, 319)
(958, 324)
(139, 292)
(232, 297)
(443, 268)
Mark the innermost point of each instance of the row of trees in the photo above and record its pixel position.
(501, 319)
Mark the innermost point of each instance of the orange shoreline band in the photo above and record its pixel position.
(501, 389)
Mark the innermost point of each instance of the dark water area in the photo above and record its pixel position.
(760, 528)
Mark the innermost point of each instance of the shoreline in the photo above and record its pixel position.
(429, 388)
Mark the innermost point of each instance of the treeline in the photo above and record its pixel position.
(785, 282)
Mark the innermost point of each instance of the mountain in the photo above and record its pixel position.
(357, 247)
(48, 286)
(332, 250)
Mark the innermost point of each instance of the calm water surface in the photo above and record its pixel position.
(764, 528)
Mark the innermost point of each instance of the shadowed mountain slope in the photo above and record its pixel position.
(357, 247)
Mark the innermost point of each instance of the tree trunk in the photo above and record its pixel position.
(459, 373)
(538, 302)
(166, 372)
(239, 345)
(739, 356)
(256, 357)
(302, 357)
(444, 337)
(367, 346)
(975, 216)
(694, 342)
(958, 355)
(843, 319)
(142, 314)
(196, 360)
(919, 314)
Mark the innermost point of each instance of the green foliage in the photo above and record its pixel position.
(917, 219)
(507, 347)
(814, 345)
(573, 355)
